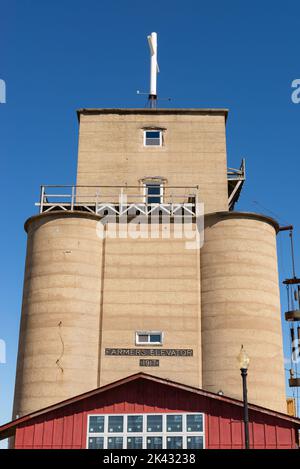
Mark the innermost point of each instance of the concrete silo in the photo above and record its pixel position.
(240, 305)
(59, 332)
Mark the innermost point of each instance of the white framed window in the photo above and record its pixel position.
(153, 138)
(146, 431)
(148, 338)
(153, 192)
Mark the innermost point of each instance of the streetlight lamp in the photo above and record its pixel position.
(244, 360)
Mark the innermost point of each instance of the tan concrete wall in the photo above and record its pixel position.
(111, 152)
(62, 283)
(151, 285)
(240, 305)
(102, 292)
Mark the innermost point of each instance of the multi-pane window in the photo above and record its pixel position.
(146, 431)
(153, 138)
(153, 192)
(144, 338)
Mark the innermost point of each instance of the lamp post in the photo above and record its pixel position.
(244, 360)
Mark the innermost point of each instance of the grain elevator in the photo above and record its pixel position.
(99, 306)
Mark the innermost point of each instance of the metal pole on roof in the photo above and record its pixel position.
(152, 41)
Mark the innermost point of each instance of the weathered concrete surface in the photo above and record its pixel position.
(241, 305)
(83, 294)
(111, 152)
(60, 312)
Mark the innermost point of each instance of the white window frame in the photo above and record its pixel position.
(137, 333)
(160, 138)
(144, 434)
(160, 195)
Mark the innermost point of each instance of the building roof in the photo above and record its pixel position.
(187, 111)
(9, 428)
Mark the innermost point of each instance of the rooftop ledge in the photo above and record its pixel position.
(181, 111)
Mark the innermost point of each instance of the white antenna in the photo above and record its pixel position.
(152, 40)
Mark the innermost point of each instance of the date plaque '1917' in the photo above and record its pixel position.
(144, 362)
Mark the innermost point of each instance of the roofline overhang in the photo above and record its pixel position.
(157, 111)
(7, 430)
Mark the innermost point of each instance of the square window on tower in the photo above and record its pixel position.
(152, 138)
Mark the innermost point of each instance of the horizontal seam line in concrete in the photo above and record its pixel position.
(59, 274)
(49, 300)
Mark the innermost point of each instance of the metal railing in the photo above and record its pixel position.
(119, 200)
(234, 174)
(235, 179)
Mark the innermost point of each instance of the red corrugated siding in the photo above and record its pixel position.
(67, 427)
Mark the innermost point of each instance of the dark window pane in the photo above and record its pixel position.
(152, 134)
(153, 200)
(96, 442)
(153, 190)
(115, 423)
(115, 442)
(174, 442)
(135, 423)
(195, 442)
(154, 423)
(155, 338)
(174, 423)
(154, 442)
(96, 424)
(194, 423)
(134, 442)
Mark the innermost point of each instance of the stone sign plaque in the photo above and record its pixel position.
(150, 352)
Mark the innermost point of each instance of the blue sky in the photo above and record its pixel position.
(62, 55)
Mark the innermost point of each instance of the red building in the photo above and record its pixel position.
(144, 411)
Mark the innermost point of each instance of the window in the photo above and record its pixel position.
(153, 193)
(152, 138)
(194, 423)
(147, 431)
(154, 442)
(115, 423)
(146, 338)
(96, 424)
(174, 442)
(195, 442)
(96, 443)
(135, 423)
(115, 442)
(174, 423)
(135, 442)
(154, 423)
